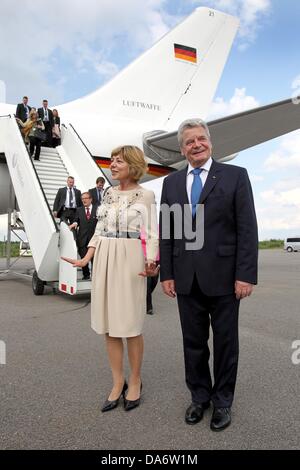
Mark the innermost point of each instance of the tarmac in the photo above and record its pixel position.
(56, 375)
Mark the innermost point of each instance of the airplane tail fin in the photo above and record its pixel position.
(173, 80)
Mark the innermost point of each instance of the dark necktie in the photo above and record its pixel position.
(71, 201)
(196, 189)
(99, 196)
(88, 214)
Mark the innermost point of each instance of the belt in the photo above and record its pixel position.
(70, 208)
(135, 235)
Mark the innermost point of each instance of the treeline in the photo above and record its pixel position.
(15, 249)
(267, 244)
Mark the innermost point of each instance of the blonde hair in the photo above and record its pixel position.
(32, 112)
(29, 123)
(135, 159)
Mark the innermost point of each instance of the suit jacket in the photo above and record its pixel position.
(21, 113)
(86, 228)
(60, 200)
(56, 120)
(230, 248)
(94, 194)
(50, 115)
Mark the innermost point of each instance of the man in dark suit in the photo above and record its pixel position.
(85, 222)
(209, 260)
(47, 117)
(23, 110)
(66, 201)
(98, 191)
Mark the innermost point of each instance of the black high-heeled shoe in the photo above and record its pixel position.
(131, 404)
(111, 404)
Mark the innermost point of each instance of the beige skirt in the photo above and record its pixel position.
(118, 299)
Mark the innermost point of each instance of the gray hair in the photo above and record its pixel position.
(189, 124)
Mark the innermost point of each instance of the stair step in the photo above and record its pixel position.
(51, 187)
(60, 173)
(50, 159)
(51, 192)
(41, 164)
(54, 156)
(49, 150)
(52, 179)
(43, 170)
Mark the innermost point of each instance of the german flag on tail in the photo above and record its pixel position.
(185, 53)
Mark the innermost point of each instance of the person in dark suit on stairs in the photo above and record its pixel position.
(46, 116)
(23, 110)
(66, 201)
(98, 191)
(85, 224)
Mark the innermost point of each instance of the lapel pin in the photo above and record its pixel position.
(214, 177)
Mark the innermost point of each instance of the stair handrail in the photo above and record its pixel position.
(87, 149)
(39, 182)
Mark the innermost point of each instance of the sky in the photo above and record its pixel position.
(64, 49)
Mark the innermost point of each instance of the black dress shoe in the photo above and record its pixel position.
(131, 404)
(195, 412)
(221, 419)
(86, 278)
(111, 404)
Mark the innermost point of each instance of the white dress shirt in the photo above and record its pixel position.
(190, 177)
(90, 208)
(46, 116)
(101, 194)
(85, 208)
(67, 203)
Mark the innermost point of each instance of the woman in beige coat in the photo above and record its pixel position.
(118, 303)
(29, 128)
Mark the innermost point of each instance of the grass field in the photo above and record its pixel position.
(15, 247)
(269, 244)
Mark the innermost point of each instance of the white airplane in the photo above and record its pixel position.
(143, 105)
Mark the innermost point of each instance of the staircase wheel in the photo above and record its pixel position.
(37, 284)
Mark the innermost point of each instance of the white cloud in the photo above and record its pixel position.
(3, 227)
(279, 204)
(256, 178)
(238, 103)
(276, 218)
(296, 90)
(2, 92)
(296, 83)
(107, 69)
(287, 156)
(52, 36)
(250, 12)
(290, 198)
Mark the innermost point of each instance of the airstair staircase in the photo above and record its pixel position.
(51, 171)
(35, 184)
